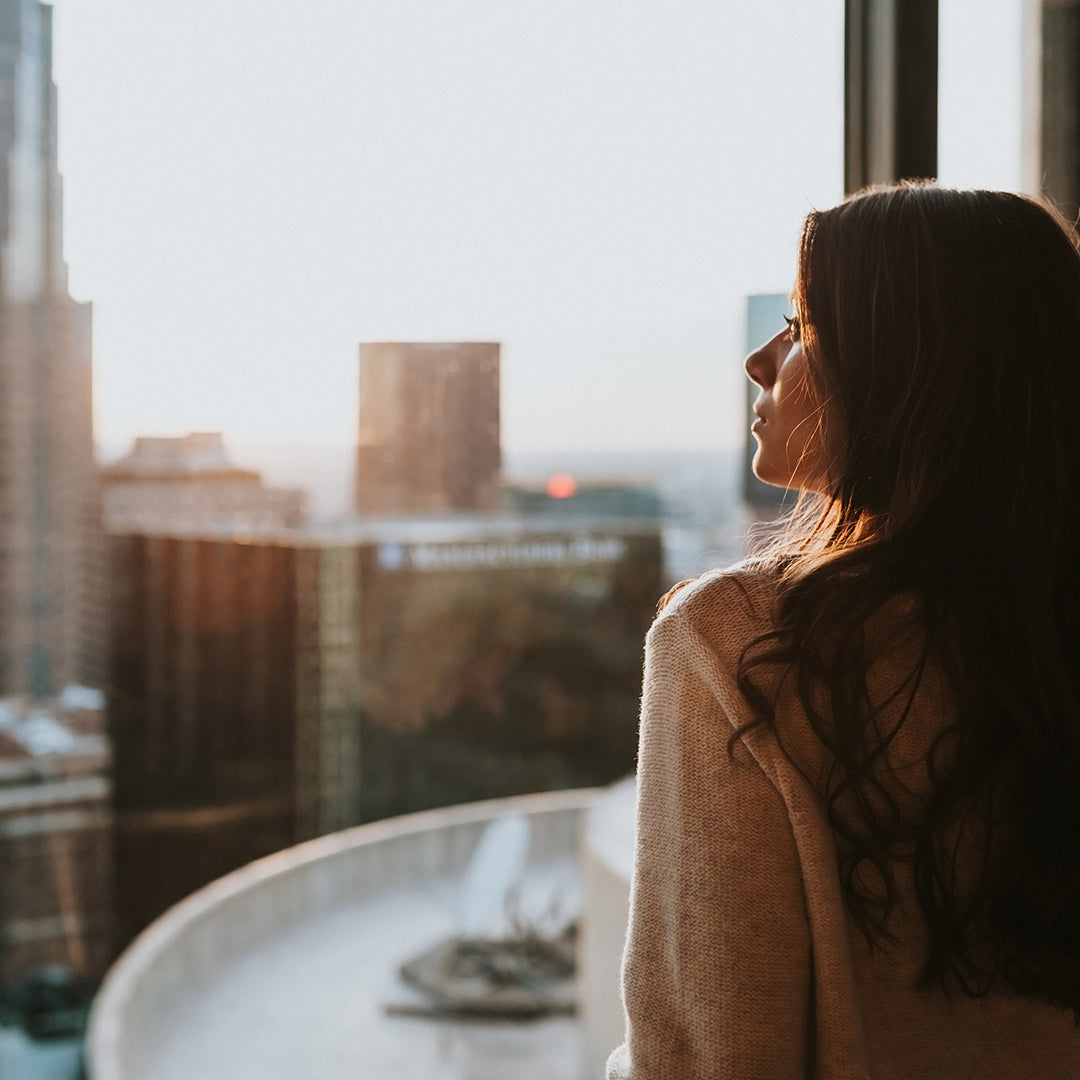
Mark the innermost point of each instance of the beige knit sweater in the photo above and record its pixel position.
(740, 959)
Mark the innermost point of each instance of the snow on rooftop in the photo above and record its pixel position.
(41, 732)
(10, 714)
(80, 697)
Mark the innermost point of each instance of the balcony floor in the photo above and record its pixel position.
(311, 1005)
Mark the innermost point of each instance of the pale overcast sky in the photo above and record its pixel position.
(255, 186)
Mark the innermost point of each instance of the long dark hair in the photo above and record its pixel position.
(942, 328)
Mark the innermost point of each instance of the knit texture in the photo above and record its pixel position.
(741, 960)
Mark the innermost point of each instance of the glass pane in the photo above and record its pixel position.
(979, 97)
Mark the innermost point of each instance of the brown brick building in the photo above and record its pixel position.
(56, 876)
(266, 691)
(55, 836)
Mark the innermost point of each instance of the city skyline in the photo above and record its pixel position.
(254, 189)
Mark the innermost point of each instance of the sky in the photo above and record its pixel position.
(253, 187)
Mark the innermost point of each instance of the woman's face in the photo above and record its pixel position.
(789, 432)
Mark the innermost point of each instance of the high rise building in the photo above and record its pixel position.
(55, 838)
(187, 482)
(269, 690)
(429, 427)
(50, 532)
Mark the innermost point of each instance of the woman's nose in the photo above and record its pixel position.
(760, 365)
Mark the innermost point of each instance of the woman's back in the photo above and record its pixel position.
(860, 757)
(742, 958)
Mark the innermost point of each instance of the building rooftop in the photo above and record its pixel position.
(24, 1058)
(285, 967)
(463, 528)
(312, 1004)
(161, 456)
(61, 741)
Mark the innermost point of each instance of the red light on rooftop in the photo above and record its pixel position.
(560, 485)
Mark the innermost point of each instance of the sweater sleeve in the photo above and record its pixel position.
(717, 971)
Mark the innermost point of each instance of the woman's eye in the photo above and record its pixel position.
(793, 329)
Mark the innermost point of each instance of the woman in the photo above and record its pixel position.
(859, 782)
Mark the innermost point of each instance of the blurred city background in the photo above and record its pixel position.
(367, 373)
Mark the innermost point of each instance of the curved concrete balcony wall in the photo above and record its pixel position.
(607, 857)
(203, 970)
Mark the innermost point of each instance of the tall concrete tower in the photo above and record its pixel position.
(50, 536)
(429, 427)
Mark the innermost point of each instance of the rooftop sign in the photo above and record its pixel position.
(547, 552)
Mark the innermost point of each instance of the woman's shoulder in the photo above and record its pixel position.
(725, 607)
(749, 587)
